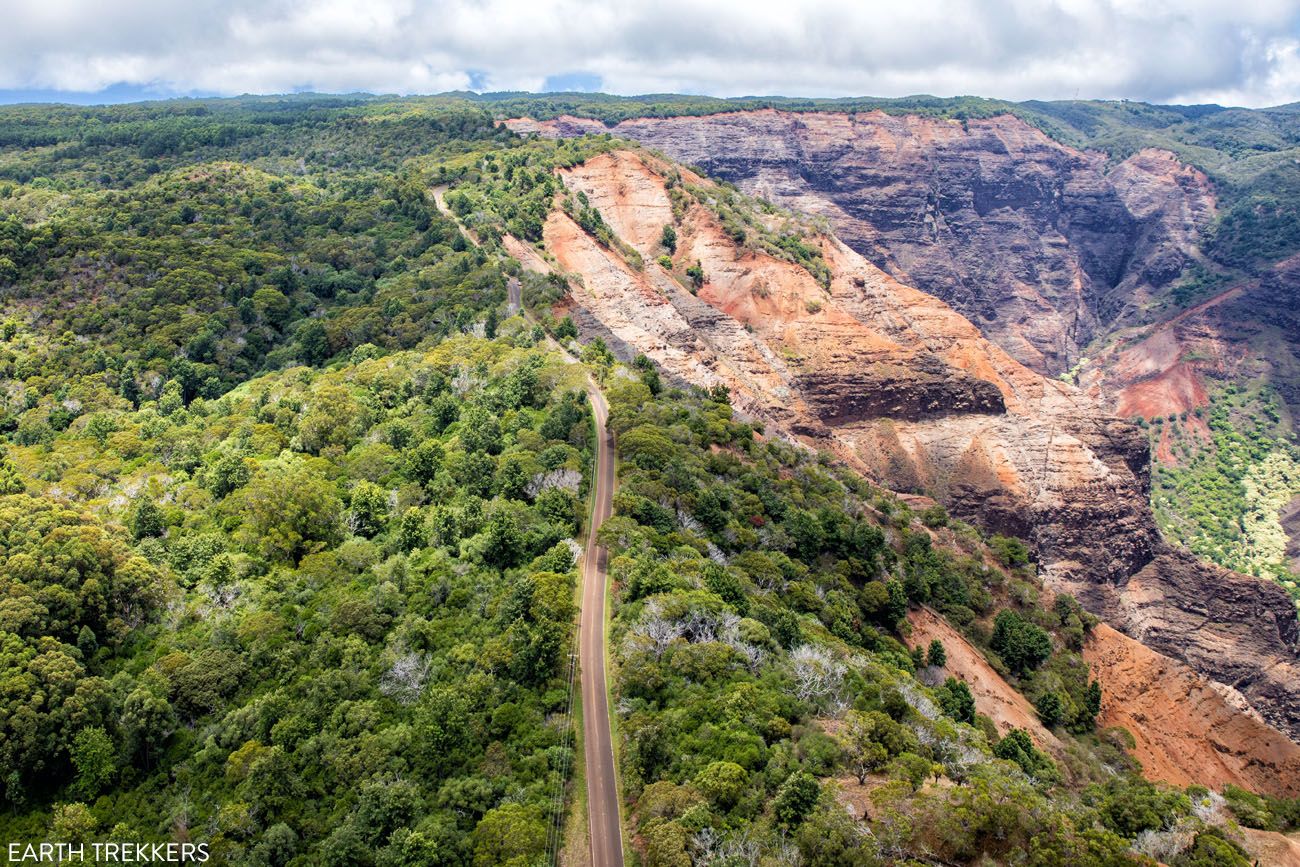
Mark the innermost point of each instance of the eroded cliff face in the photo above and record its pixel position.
(908, 390)
(1042, 246)
(1188, 729)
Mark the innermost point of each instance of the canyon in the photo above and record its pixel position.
(901, 386)
(1040, 245)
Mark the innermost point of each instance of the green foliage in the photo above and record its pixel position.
(1050, 708)
(94, 755)
(669, 238)
(146, 519)
(695, 273)
(1010, 552)
(1211, 848)
(722, 783)
(1022, 645)
(10, 481)
(796, 798)
(1129, 806)
(956, 700)
(370, 643)
(1017, 747)
(1223, 501)
(1263, 811)
(936, 655)
(512, 835)
(323, 616)
(287, 512)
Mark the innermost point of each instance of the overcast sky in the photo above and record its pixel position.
(1238, 52)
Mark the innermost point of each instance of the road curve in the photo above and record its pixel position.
(602, 780)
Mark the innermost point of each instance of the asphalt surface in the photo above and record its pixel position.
(602, 779)
(603, 820)
(514, 296)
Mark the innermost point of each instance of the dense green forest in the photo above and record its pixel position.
(288, 516)
(1222, 501)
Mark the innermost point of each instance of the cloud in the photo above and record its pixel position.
(1243, 52)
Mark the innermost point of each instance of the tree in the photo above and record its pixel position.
(331, 422)
(227, 474)
(1019, 748)
(10, 481)
(1009, 551)
(566, 330)
(1050, 708)
(1211, 849)
(149, 721)
(1022, 645)
(956, 701)
(287, 511)
(1092, 704)
(146, 519)
(862, 745)
(424, 461)
(912, 768)
(369, 513)
(669, 238)
(272, 306)
(95, 758)
(665, 844)
(647, 448)
(1129, 806)
(936, 655)
(511, 835)
(73, 823)
(896, 610)
(649, 374)
(722, 783)
(480, 431)
(696, 274)
(597, 354)
(796, 798)
(501, 543)
(314, 343)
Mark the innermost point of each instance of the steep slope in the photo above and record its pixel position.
(1072, 260)
(994, 697)
(905, 388)
(1188, 729)
(1041, 245)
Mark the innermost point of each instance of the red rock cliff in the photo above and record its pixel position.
(903, 386)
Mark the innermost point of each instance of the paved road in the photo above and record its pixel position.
(603, 819)
(514, 296)
(602, 780)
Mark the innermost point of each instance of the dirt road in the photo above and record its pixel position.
(602, 780)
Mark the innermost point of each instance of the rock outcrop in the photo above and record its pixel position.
(1040, 245)
(908, 390)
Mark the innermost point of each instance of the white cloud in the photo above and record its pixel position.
(1234, 51)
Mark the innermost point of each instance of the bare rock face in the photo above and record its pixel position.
(1038, 244)
(1189, 729)
(909, 391)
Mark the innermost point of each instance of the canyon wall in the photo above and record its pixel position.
(1042, 246)
(905, 388)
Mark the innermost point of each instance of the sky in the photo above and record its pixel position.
(1233, 52)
